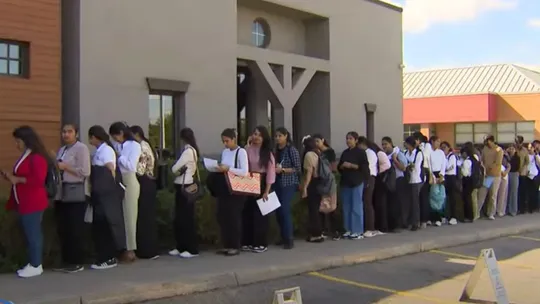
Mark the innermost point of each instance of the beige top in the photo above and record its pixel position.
(147, 160)
(311, 162)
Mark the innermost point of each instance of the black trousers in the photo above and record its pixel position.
(254, 224)
(229, 217)
(147, 230)
(412, 205)
(102, 234)
(452, 193)
(330, 222)
(380, 197)
(314, 203)
(71, 226)
(532, 196)
(523, 193)
(425, 207)
(369, 211)
(396, 205)
(185, 224)
(466, 194)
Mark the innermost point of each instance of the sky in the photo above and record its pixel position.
(457, 33)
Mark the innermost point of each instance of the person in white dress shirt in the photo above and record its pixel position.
(470, 159)
(426, 148)
(369, 188)
(234, 159)
(437, 167)
(415, 160)
(108, 232)
(451, 180)
(129, 152)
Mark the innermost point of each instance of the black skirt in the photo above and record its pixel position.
(147, 230)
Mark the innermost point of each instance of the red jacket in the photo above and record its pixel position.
(32, 195)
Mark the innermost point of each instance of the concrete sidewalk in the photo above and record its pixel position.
(168, 276)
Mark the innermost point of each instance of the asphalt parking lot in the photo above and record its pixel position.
(430, 277)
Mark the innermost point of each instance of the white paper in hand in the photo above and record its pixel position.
(211, 165)
(270, 205)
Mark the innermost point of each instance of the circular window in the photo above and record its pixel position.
(260, 33)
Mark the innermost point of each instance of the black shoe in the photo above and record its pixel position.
(415, 228)
(288, 245)
(105, 265)
(315, 239)
(222, 251)
(70, 268)
(280, 243)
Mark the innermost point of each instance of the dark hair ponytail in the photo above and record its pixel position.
(139, 131)
(285, 132)
(119, 127)
(100, 134)
(320, 137)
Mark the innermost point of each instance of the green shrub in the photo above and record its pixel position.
(12, 244)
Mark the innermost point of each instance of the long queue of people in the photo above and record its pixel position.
(381, 188)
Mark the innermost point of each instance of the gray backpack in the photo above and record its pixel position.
(327, 184)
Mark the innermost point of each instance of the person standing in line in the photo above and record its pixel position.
(309, 189)
(531, 202)
(369, 188)
(261, 160)
(513, 180)
(73, 161)
(438, 169)
(288, 170)
(234, 159)
(502, 196)
(329, 220)
(397, 216)
(477, 156)
(28, 195)
(380, 194)
(451, 180)
(108, 229)
(354, 169)
(523, 154)
(415, 178)
(492, 156)
(469, 162)
(147, 230)
(185, 221)
(129, 153)
(425, 147)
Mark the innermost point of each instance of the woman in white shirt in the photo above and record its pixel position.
(129, 153)
(108, 230)
(531, 201)
(230, 206)
(426, 148)
(413, 173)
(451, 181)
(437, 165)
(470, 160)
(185, 225)
(369, 188)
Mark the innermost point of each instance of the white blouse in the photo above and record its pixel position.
(373, 162)
(188, 158)
(104, 155)
(241, 168)
(130, 152)
(417, 165)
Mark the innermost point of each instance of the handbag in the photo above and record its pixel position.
(195, 191)
(243, 185)
(73, 192)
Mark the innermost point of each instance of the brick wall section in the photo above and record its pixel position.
(35, 101)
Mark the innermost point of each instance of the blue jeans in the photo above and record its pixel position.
(353, 209)
(284, 213)
(31, 224)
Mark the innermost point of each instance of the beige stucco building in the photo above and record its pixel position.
(144, 62)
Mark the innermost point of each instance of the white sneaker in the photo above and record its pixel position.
(174, 252)
(452, 221)
(22, 269)
(438, 223)
(491, 217)
(428, 223)
(355, 236)
(187, 255)
(30, 271)
(377, 232)
(369, 234)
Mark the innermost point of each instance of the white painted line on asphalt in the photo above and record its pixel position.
(470, 257)
(524, 238)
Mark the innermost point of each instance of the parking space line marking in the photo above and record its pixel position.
(379, 288)
(524, 238)
(470, 257)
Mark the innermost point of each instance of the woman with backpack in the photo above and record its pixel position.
(397, 198)
(309, 189)
(354, 168)
(415, 179)
(329, 221)
(29, 196)
(288, 170)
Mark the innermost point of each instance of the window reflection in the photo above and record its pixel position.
(161, 124)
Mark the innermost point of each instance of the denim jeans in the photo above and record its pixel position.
(513, 186)
(353, 209)
(284, 213)
(31, 224)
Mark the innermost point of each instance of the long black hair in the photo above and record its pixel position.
(265, 152)
(309, 145)
(370, 144)
(285, 132)
(31, 140)
(320, 137)
(139, 131)
(188, 136)
(120, 127)
(100, 134)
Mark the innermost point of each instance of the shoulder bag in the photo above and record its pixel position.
(249, 185)
(195, 191)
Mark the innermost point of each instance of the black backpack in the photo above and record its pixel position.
(389, 177)
(52, 180)
(327, 179)
(477, 173)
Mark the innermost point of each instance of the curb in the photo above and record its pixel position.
(148, 292)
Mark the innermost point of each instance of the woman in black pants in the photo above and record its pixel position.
(451, 180)
(186, 171)
(309, 189)
(467, 167)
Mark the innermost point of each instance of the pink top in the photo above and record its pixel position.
(253, 159)
(384, 161)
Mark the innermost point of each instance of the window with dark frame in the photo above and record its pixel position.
(14, 58)
(161, 126)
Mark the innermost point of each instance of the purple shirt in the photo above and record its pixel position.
(253, 159)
